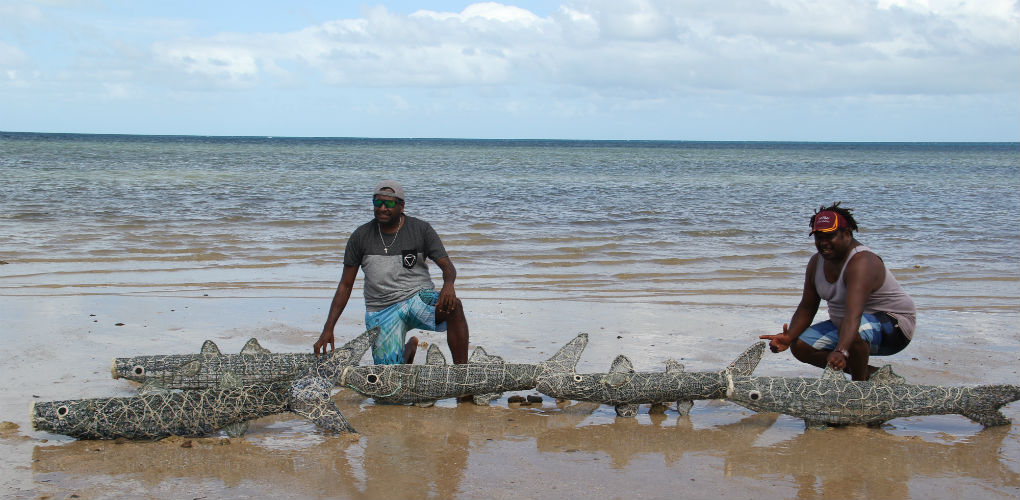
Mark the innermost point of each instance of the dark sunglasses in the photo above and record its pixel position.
(389, 203)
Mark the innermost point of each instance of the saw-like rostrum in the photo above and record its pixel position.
(832, 399)
(253, 364)
(484, 377)
(157, 412)
(626, 389)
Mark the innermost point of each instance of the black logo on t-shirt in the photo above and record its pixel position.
(409, 258)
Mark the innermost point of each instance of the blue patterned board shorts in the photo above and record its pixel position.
(418, 311)
(878, 329)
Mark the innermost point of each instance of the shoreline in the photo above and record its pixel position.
(59, 347)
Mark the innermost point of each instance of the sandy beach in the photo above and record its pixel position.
(60, 347)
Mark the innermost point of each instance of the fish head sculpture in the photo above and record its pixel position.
(163, 368)
(796, 396)
(63, 417)
(376, 381)
(754, 393)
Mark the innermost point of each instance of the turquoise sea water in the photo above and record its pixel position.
(700, 223)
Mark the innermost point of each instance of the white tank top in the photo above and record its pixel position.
(889, 298)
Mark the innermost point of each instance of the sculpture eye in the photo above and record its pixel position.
(372, 378)
(62, 411)
(754, 395)
(139, 370)
(578, 378)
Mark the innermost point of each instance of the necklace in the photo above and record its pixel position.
(385, 247)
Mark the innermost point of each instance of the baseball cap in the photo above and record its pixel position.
(827, 221)
(398, 190)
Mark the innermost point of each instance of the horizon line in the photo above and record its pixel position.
(507, 139)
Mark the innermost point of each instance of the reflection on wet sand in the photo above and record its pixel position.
(461, 450)
(860, 462)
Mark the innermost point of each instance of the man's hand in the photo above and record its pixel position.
(320, 345)
(780, 342)
(837, 360)
(447, 300)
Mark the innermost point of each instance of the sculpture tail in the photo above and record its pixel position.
(310, 399)
(745, 364)
(984, 406)
(360, 344)
(565, 360)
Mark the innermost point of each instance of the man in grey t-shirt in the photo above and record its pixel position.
(399, 293)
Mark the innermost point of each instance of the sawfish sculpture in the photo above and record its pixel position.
(253, 364)
(484, 377)
(626, 389)
(157, 413)
(832, 399)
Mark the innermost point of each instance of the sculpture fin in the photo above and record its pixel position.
(684, 407)
(209, 348)
(565, 360)
(480, 356)
(621, 364)
(310, 399)
(885, 375)
(359, 345)
(619, 372)
(628, 410)
(674, 366)
(745, 364)
(253, 347)
(485, 399)
(833, 374)
(434, 356)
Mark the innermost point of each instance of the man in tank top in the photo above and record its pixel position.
(869, 313)
(399, 294)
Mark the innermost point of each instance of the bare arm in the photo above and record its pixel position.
(804, 314)
(447, 295)
(336, 308)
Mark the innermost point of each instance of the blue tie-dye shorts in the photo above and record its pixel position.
(418, 311)
(879, 330)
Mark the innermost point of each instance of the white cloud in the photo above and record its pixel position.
(778, 47)
(11, 56)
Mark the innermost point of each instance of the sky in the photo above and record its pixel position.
(756, 70)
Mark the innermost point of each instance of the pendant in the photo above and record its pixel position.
(386, 250)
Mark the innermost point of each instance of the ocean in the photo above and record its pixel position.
(711, 224)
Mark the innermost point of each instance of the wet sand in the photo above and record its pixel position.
(60, 347)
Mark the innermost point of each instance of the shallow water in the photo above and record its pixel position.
(685, 222)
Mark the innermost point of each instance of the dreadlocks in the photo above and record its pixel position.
(847, 214)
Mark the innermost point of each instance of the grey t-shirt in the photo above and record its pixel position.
(397, 271)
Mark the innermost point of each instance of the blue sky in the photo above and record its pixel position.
(833, 70)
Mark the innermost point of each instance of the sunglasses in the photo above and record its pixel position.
(389, 203)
